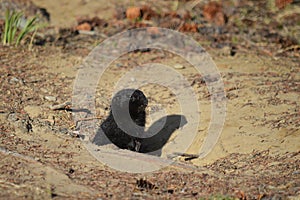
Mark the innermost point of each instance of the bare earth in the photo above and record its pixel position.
(256, 157)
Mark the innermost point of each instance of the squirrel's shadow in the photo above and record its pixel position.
(159, 132)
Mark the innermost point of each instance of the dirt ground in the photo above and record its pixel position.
(257, 53)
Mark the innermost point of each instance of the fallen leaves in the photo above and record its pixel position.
(148, 13)
(84, 27)
(189, 27)
(133, 13)
(213, 12)
(282, 3)
(88, 24)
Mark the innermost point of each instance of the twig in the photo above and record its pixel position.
(92, 33)
(191, 5)
(62, 106)
(294, 47)
(88, 119)
(9, 184)
(187, 156)
(180, 26)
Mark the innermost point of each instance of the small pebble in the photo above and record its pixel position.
(178, 66)
(12, 117)
(37, 159)
(14, 80)
(50, 98)
(44, 90)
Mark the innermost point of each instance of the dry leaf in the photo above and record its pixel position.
(133, 13)
(282, 3)
(84, 27)
(213, 11)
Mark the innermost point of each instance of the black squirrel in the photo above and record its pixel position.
(125, 125)
(136, 102)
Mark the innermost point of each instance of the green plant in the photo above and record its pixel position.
(12, 23)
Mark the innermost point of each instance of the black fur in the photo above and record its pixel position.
(137, 102)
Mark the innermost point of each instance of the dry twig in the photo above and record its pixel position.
(62, 106)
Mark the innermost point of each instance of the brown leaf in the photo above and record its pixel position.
(213, 12)
(186, 27)
(133, 13)
(240, 195)
(1, 22)
(282, 3)
(84, 27)
(95, 21)
(148, 13)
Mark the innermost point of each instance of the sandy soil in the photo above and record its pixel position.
(256, 157)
